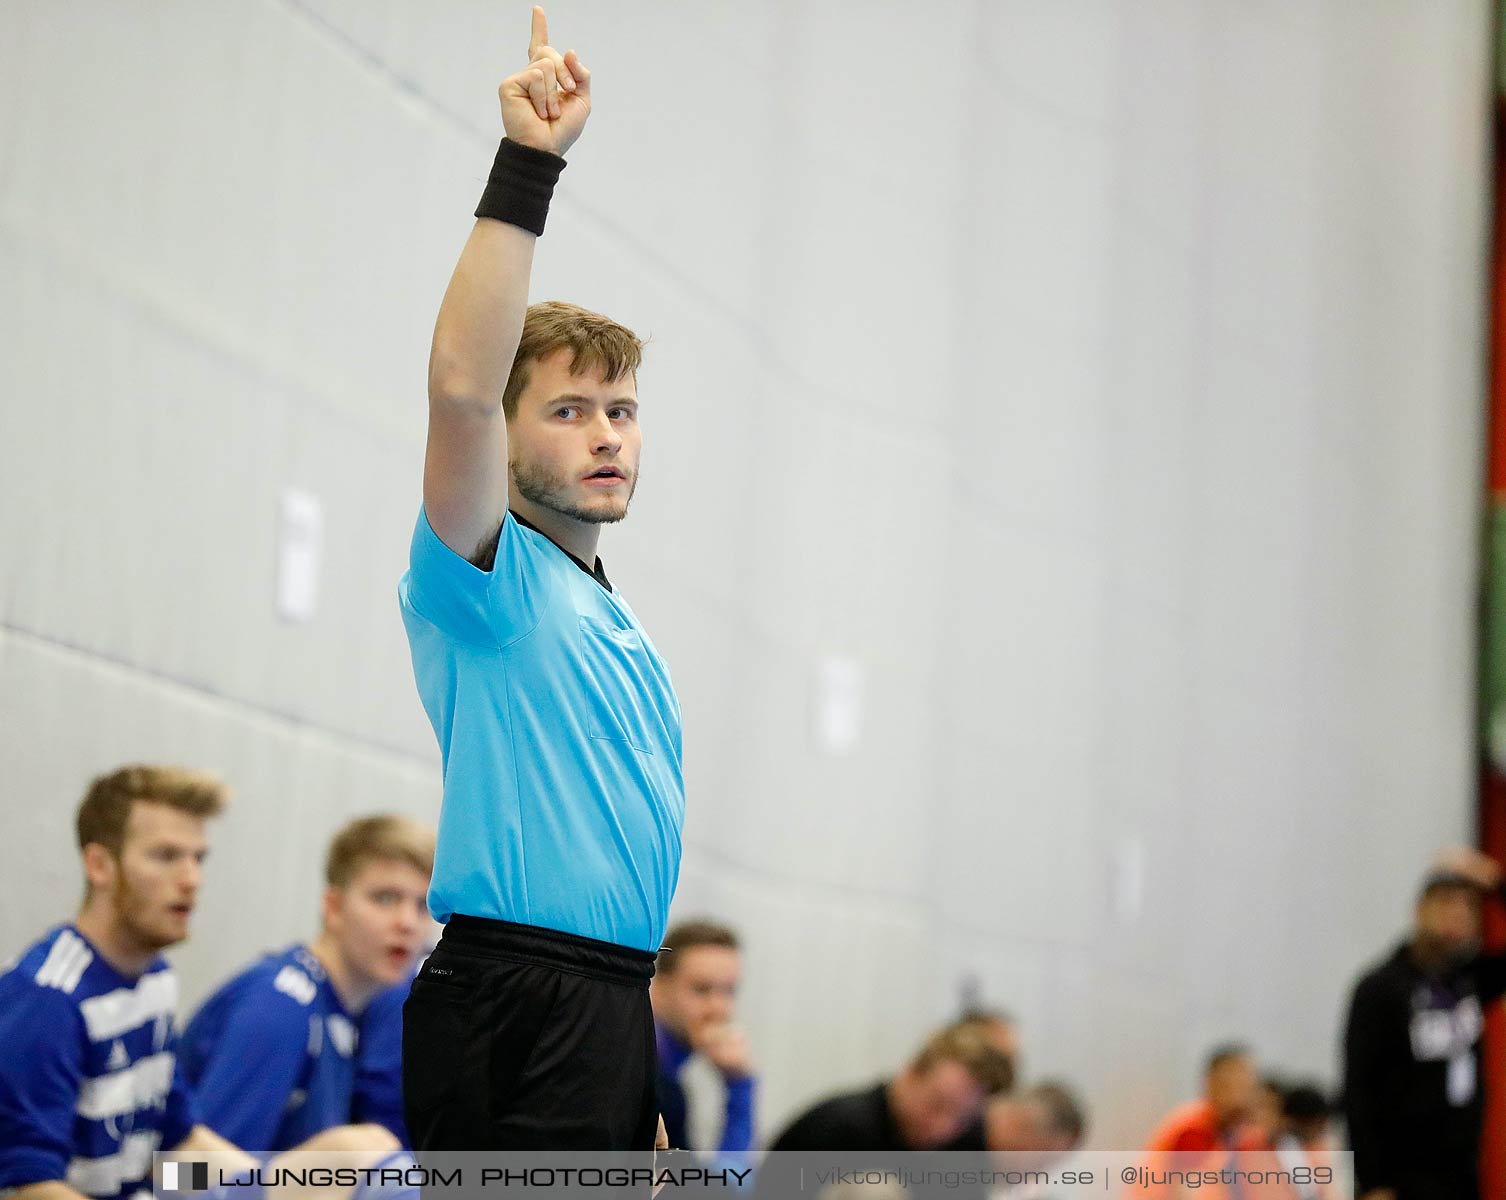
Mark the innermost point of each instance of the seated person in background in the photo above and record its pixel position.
(1022, 1131)
(1034, 1128)
(271, 1055)
(1001, 1032)
(90, 1086)
(1300, 1141)
(1223, 1119)
(694, 997)
(1265, 1116)
(926, 1106)
(1306, 1117)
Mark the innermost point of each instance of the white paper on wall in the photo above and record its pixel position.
(1129, 879)
(839, 703)
(300, 545)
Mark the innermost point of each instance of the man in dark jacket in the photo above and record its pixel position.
(1412, 1044)
(926, 1107)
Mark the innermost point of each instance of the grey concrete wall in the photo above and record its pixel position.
(1098, 385)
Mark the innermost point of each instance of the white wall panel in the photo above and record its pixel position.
(1103, 382)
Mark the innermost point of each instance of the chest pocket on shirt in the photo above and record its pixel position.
(621, 675)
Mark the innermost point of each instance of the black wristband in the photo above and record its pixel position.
(520, 185)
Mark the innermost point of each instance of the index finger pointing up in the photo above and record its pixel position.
(540, 35)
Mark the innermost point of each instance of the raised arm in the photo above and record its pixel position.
(544, 108)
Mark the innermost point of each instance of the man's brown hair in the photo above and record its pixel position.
(963, 1042)
(378, 839)
(686, 935)
(1068, 1116)
(595, 342)
(106, 806)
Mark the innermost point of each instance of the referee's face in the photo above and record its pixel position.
(574, 443)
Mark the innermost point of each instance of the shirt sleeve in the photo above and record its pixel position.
(484, 608)
(792, 1137)
(821, 1128)
(182, 1112)
(249, 1072)
(40, 1075)
(1374, 1037)
(378, 1092)
(737, 1129)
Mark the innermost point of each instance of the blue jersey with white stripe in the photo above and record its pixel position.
(559, 731)
(271, 1055)
(90, 1087)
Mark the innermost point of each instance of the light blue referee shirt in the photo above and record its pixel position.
(559, 731)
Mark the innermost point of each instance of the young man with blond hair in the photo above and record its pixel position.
(90, 1085)
(559, 840)
(271, 1055)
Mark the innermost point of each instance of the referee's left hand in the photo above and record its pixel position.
(546, 104)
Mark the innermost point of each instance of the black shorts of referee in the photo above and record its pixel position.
(519, 1038)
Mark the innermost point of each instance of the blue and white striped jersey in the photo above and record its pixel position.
(89, 1081)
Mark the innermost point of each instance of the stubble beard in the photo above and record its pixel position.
(551, 490)
(129, 906)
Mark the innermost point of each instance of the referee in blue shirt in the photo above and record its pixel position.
(559, 839)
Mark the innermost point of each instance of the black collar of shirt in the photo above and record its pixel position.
(596, 573)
